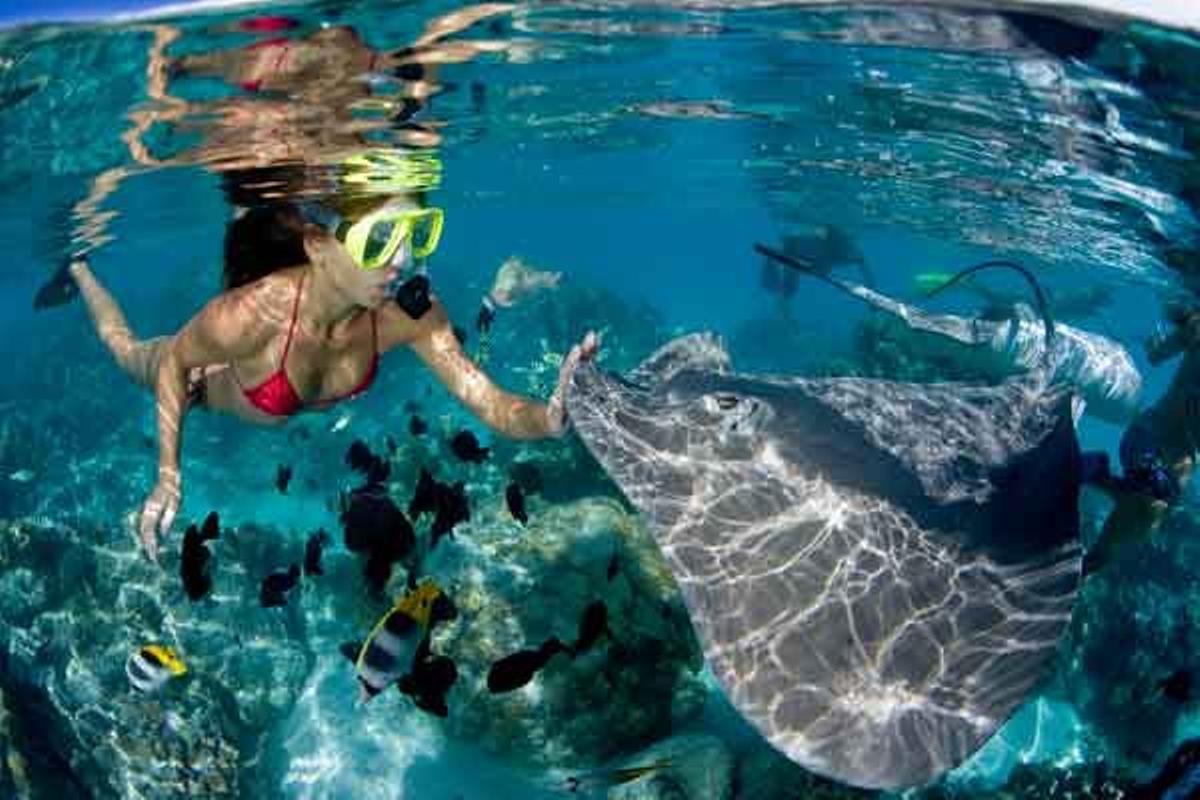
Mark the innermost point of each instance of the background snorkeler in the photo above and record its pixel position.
(1158, 449)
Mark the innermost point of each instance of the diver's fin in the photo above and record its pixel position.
(58, 290)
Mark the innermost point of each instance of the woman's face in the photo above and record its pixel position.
(365, 287)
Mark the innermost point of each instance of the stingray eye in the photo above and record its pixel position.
(726, 402)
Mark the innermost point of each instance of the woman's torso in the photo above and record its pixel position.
(319, 371)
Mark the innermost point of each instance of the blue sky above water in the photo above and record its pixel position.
(19, 11)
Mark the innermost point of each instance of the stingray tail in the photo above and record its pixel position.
(1043, 306)
(795, 263)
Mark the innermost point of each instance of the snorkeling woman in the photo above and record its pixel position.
(308, 308)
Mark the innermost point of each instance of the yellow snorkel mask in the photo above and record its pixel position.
(373, 240)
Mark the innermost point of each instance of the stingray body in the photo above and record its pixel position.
(879, 572)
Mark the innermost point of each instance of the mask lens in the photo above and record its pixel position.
(379, 245)
(422, 231)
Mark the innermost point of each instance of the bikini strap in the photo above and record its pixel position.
(287, 345)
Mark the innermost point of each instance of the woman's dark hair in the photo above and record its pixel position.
(265, 239)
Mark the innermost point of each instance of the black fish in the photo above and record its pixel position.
(527, 476)
(516, 503)
(516, 670)
(283, 476)
(375, 527)
(59, 289)
(312, 552)
(1177, 686)
(416, 425)
(276, 586)
(430, 680)
(466, 447)
(614, 566)
(452, 508)
(449, 505)
(372, 467)
(195, 567)
(478, 96)
(425, 496)
(592, 626)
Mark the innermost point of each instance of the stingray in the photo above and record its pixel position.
(878, 572)
(1100, 369)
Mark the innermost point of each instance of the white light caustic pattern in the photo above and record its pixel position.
(879, 572)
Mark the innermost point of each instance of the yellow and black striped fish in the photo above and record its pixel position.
(150, 667)
(391, 649)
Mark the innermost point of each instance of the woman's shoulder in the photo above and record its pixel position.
(253, 306)
(276, 285)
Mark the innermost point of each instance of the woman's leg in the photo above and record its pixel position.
(139, 358)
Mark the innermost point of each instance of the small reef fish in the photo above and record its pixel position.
(283, 476)
(195, 563)
(391, 445)
(424, 495)
(341, 422)
(466, 447)
(517, 669)
(592, 626)
(375, 469)
(397, 649)
(275, 586)
(452, 508)
(604, 779)
(430, 680)
(417, 426)
(374, 526)
(22, 476)
(516, 503)
(449, 504)
(313, 549)
(151, 666)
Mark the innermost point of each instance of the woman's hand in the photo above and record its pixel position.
(158, 512)
(556, 409)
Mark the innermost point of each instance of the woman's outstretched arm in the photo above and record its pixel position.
(229, 328)
(512, 415)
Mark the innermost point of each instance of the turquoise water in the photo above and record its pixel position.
(639, 150)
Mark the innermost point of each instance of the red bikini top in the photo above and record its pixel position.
(280, 43)
(277, 397)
